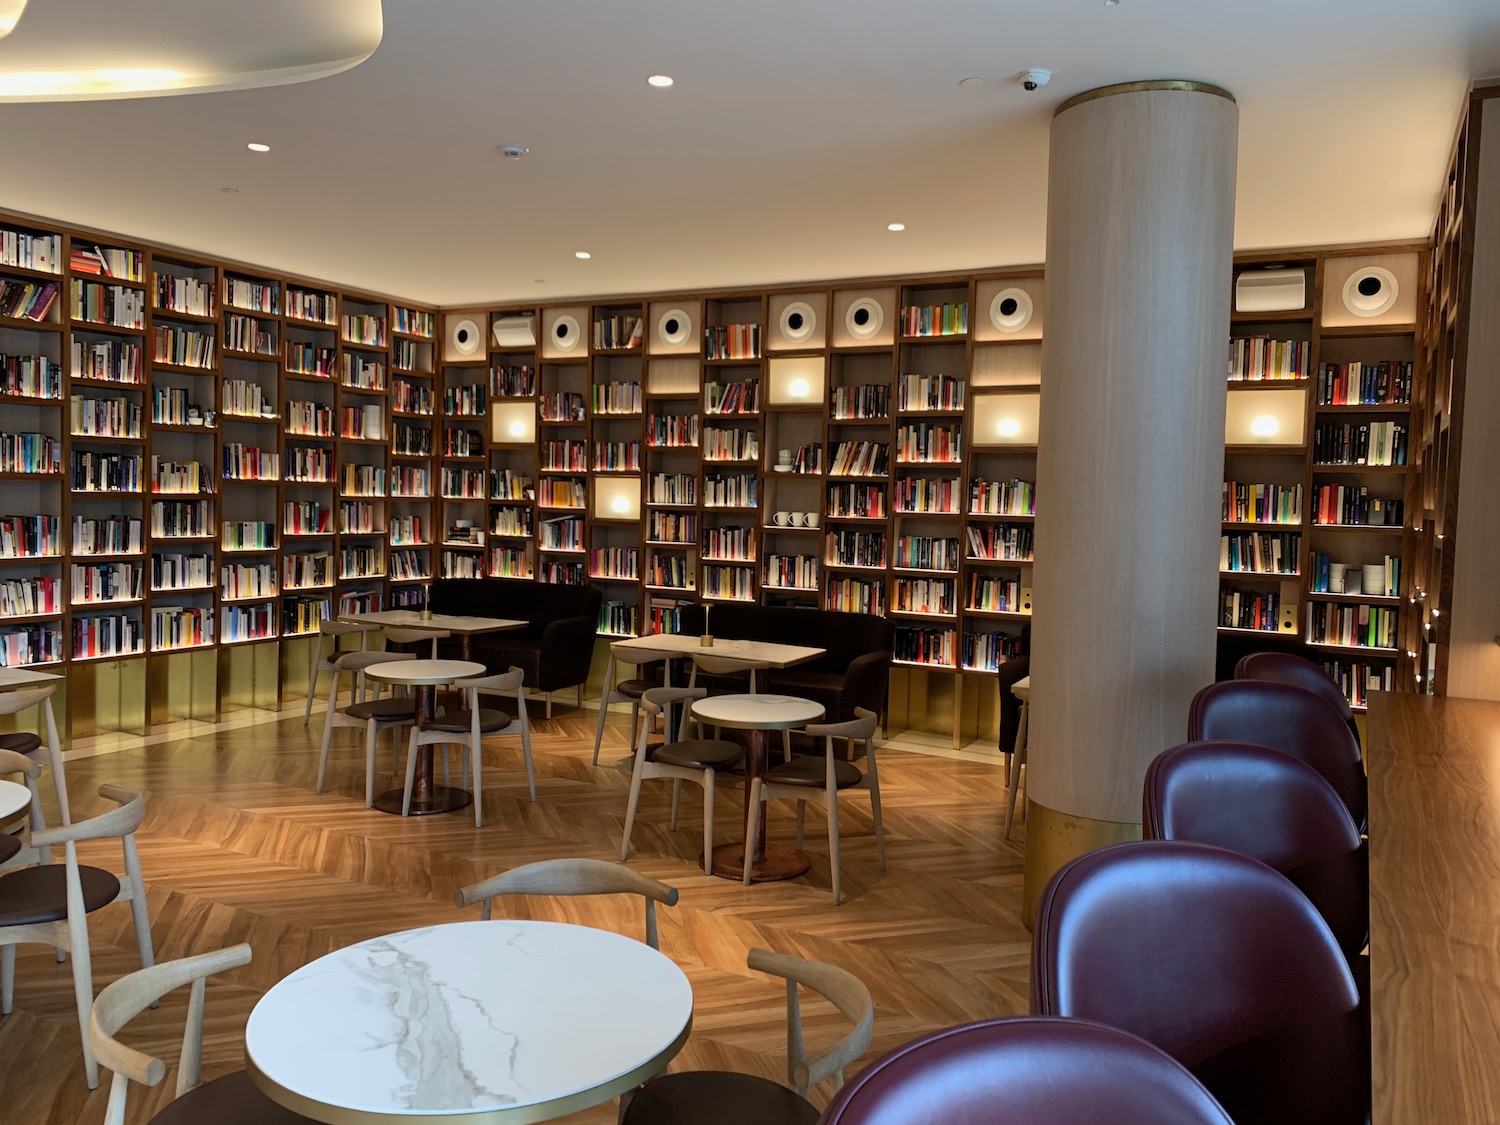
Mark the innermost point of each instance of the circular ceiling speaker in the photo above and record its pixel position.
(1370, 291)
(864, 318)
(463, 337)
(1010, 311)
(565, 333)
(798, 322)
(673, 327)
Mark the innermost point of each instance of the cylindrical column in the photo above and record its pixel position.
(1140, 227)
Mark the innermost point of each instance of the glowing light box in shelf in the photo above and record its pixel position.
(1006, 419)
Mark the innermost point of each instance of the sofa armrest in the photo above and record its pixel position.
(866, 683)
(567, 652)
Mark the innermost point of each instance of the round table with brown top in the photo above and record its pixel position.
(757, 715)
(422, 676)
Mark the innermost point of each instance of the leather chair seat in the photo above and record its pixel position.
(634, 689)
(805, 769)
(9, 846)
(384, 710)
(698, 1097)
(491, 719)
(231, 1100)
(40, 894)
(21, 742)
(699, 754)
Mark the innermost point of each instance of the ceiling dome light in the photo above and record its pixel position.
(660, 81)
(256, 146)
(582, 255)
(895, 226)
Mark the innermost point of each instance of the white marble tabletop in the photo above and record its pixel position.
(26, 677)
(15, 799)
(505, 1021)
(438, 622)
(724, 648)
(757, 712)
(424, 671)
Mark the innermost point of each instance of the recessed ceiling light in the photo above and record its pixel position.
(256, 146)
(895, 226)
(583, 254)
(970, 83)
(514, 151)
(660, 81)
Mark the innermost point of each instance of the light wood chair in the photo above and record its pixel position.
(808, 778)
(711, 665)
(698, 760)
(370, 715)
(700, 1097)
(33, 747)
(1021, 689)
(10, 845)
(230, 1100)
(477, 724)
(324, 663)
(628, 690)
(567, 877)
(395, 635)
(50, 904)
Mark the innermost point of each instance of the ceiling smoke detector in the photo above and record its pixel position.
(514, 151)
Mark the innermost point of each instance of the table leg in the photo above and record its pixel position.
(772, 861)
(426, 798)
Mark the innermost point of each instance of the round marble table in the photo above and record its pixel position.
(757, 714)
(469, 1022)
(15, 799)
(423, 676)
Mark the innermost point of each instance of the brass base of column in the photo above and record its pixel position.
(1053, 839)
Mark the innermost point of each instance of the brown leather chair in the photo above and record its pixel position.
(1286, 718)
(1288, 668)
(1219, 961)
(1267, 805)
(1026, 1070)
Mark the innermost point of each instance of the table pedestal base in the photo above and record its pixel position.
(781, 862)
(439, 799)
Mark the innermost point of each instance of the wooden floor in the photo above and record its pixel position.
(237, 847)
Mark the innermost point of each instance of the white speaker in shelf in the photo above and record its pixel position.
(864, 318)
(798, 322)
(675, 327)
(514, 331)
(464, 337)
(566, 335)
(1010, 310)
(1370, 291)
(1270, 290)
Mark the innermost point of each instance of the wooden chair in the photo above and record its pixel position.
(628, 690)
(697, 760)
(478, 724)
(567, 877)
(725, 1098)
(809, 778)
(725, 667)
(1021, 689)
(320, 663)
(371, 715)
(50, 904)
(230, 1100)
(31, 746)
(409, 638)
(11, 762)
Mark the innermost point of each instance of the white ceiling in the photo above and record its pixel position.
(796, 131)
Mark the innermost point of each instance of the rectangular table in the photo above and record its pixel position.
(464, 628)
(1434, 768)
(26, 677)
(769, 653)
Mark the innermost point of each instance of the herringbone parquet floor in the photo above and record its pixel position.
(237, 847)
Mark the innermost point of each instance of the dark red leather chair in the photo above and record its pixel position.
(1219, 961)
(1286, 718)
(1288, 668)
(1026, 1071)
(1269, 806)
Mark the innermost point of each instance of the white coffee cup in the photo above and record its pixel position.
(784, 456)
(782, 519)
(810, 519)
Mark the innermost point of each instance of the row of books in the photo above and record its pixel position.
(411, 397)
(184, 294)
(563, 456)
(1261, 503)
(249, 623)
(407, 531)
(856, 501)
(855, 548)
(113, 305)
(181, 627)
(413, 322)
(513, 381)
(615, 562)
(107, 361)
(104, 582)
(308, 570)
(671, 488)
(31, 597)
(732, 341)
(510, 562)
(561, 406)
(110, 535)
(182, 347)
(669, 570)
(986, 652)
(411, 482)
(170, 406)
(303, 517)
(511, 521)
(1383, 383)
(935, 320)
(927, 443)
(27, 251)
(27, 300)
(617, 456)
(1357, 680)
(357, 601)
(181, 518)
(790, 572)
(247, 535)
(1359, 626)
(929, 392)
(361, 480)
(361, 562)
(30, 453)
(1337, 505)
(562, 533)
(359, 518)
(671, 527)
(730, 583)
(309, 359)
(992, 593)
(936, 596)
(672, 431)
(110, 635)
(252, 296)
(305, 418)
(808, 460)
(25, 537)
(241, 398)
(1249, 609)
(1381, 579)
(408, 355)
(732, 398)
(617, 398)
(30, 376)
(178, 572)
(921, 552)
(127, 265)
(1259, 552)
(855, 595)
(462, 484)
(561, 572)
(246, 334)
(31, 644)
(105, 472)
(612, 332)
(729, 544)
(362, 373)
(560, 492)
(938, 647)
(730, 445)
(1000, 543)
(465, 401)
(411, 441)
(362, 422)
(247, 580)
(733, 491)
(618, 619)
(1256, 358)
(859, 459)
(1359, 443)
(364, 328)
(304, 615)
(308, 305)
(180, 477)
(246, 462)
(865, 401)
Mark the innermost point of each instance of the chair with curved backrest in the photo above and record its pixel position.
(1267, 805)
(369, 715)
(822, 780)
(1286, 718)
(698, 760)
(230, 1100)
(11, 763)
(49, 904)
(32, 746)
(410, 641)
(629, 690)
(319, 663)
(1026, 1070)
(724, 1098)
(1288, 668)
(470, 727)
(1219, 961)
(571, 877)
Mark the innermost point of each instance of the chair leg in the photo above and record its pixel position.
(549, 705)
(476, 754)
(312, 680)
(54, 756)
(875, 816)
(676, 797)
(609, 683)
(7, 978)
(327, 738)
(1017, 760)
(526, 754)
(580, 697)
(752, 827)
(635, 800)
(83, 992)
(370, 734)
(786, 745)
(411, 773)
(708, 822)
(832, 809)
